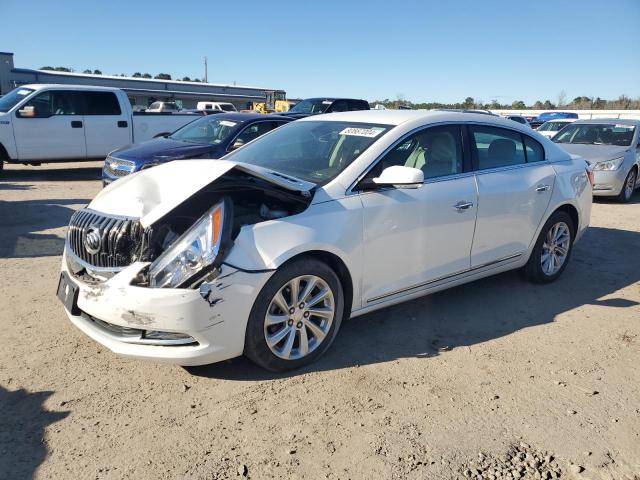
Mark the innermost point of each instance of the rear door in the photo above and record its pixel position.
(515, 184)
(106, 126)
(50, 126)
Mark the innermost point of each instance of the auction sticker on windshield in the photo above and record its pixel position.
(227, 123)
(362, 132)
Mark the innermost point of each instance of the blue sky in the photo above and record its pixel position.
(421, 50)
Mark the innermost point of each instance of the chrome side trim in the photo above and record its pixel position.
(447, 278)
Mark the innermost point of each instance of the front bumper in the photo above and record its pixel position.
(217, 323)
(609, 183)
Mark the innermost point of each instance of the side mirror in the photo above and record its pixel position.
(396, 176)
(237, 144)
(27, 112)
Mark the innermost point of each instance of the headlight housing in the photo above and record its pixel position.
(609, 165)
(195, 252)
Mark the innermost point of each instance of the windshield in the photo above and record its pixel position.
(316, 105)
(208, 130)
(11, 99)
(313, 151)
(597, 134)
(227, 107)
(552, 126)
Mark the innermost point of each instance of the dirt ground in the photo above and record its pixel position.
(459, 384)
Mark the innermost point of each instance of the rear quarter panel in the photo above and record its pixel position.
(572, 187)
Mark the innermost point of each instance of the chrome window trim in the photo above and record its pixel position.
(455, 176)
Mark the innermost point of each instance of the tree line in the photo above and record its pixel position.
(623, 102)
(159, 76)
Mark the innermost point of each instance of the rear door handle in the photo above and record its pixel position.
(122, 124)
(76, 124)
(542, 188)
(462, 205)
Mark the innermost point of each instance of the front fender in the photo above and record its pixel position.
(334, 226)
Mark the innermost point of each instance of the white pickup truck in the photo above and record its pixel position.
(53, 123)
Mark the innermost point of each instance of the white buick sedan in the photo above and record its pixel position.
(266, 252)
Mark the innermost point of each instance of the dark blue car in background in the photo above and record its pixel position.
(212, 136)
(548, 116)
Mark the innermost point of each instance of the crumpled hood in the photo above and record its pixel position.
(161, 149)
(150, 194)
(594, 153)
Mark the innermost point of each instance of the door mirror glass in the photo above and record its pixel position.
(237, 144)
(400, 177)
(27, 112)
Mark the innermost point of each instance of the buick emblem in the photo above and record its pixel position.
(92, 240)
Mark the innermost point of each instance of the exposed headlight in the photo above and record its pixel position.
(193, 252)
(609, 164)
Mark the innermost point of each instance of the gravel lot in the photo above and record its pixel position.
(495, 379)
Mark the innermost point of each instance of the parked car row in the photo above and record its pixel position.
(266, 251)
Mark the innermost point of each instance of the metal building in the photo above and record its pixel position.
(141, 91)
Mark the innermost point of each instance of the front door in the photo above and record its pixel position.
(416, 236)
(50, 126)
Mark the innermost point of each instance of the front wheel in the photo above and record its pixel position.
(552, 250)
(628, 187)
(296, 316)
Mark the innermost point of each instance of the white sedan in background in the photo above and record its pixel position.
(550, 128)
(267, 251)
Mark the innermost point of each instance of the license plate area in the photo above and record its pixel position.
(68, 293)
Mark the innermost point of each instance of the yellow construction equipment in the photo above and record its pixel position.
(275, 102)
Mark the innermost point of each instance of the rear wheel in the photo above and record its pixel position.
(552, 250)
(629, 186)
(295, 317)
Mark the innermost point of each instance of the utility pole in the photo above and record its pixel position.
(206, 72)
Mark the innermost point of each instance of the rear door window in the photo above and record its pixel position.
(497, 147)
(102, 103)
(534, 151)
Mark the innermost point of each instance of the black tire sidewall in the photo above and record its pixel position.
(622, 197)
(533, 269)
(255, 346)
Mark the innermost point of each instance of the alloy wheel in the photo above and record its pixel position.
(299, 317)
(629, 185)
(555, 248)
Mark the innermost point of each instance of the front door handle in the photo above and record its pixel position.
(76, 124)
(462, 206)
(122, 124)
(542, 188)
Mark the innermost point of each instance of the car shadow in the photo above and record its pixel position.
(23, 221)
(472, 314)
(22, 428)
(41, 174)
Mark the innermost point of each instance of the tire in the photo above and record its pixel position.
(286, 354)
(628, 187)
(538, 271)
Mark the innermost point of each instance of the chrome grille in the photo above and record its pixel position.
(102, 241)
(116, 167)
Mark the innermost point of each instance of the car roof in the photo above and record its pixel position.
(568, 120)
(333, 99)
(616, 121)
(248, 117)
(398, 117)
(43, 86)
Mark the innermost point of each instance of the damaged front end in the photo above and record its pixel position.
(186, 245)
